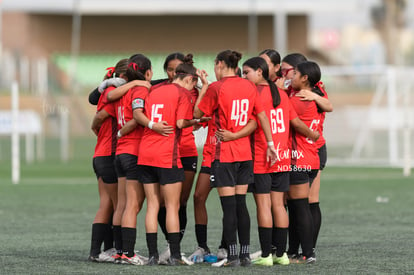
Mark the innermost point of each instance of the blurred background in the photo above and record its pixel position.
(57, 52)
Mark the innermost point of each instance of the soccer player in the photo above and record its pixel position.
(232, 101)
(104, 126)
(305, 163)
(272, 58)
(319, 96)
(188, 153)
(162, 173)
(270, 182)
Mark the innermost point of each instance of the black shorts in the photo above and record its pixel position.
(152, 174)
(189, 163)
(126, 166)
(264, 183)
(205, 170)
(231, 173)
(322, 156)
(104, 168)
(302, 176)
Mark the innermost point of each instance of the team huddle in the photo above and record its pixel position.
(265, 136)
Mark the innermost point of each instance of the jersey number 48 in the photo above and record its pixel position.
(239, 111)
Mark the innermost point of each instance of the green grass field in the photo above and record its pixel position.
(46, 221)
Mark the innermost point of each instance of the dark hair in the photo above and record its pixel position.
(186, 68)
(173, 56)
(294, 59)
(231, 58)
(259, 63)
(274, 57)
(120, 68)
(138, 65)
(238, 72)
(312, 70)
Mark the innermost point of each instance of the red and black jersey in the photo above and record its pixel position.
(164, 103)
(134, 98)
(304, 151)
(232, 101)
(279, 118)
(106, 141)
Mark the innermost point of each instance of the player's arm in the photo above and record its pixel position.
(161, 128)
(271, 154)
(98, 119)
(184, 123)
(322, 102)
(226, 135)
(203, 77)
(127, 128)
(304, 130)
(123, 89)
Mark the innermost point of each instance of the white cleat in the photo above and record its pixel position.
(255, 255)
(165, 256)
(221, 253)
(220, 263)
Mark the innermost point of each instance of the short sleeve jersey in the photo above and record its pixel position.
(188, 147)
(231, 101)
(106, 141)
(321, 140)
(279, 118)
(187, 144)
(134, 98)
(164, 103)
(303, 150)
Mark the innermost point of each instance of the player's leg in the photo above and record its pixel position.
(100, 222)
(134, 200)
(302, 218)
(202, 190)
(280, 185)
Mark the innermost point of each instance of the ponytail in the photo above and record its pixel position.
(259, 63)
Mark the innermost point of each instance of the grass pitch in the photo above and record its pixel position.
(367, 222)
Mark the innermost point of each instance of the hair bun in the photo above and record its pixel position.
(188, 59)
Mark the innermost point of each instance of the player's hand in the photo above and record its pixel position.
(306, 95)
(205, 119)
(271, 155)
(280, 83)
(315, 136)
(202, 78)
(225, 135)
(163, 128)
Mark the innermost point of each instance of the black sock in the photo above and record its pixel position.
(162, 221)
(304, 225)
(98, 235)
(281, 239)
(317, 220)
(228, 204)
(222, 242)
(152, 245)
(182, 215)
(109, 237)
(128, 241)
(293, 236)
(174, 241)
(243, 225)
(118, 238)
(201, 235)
(265, 238)
(274, 239)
